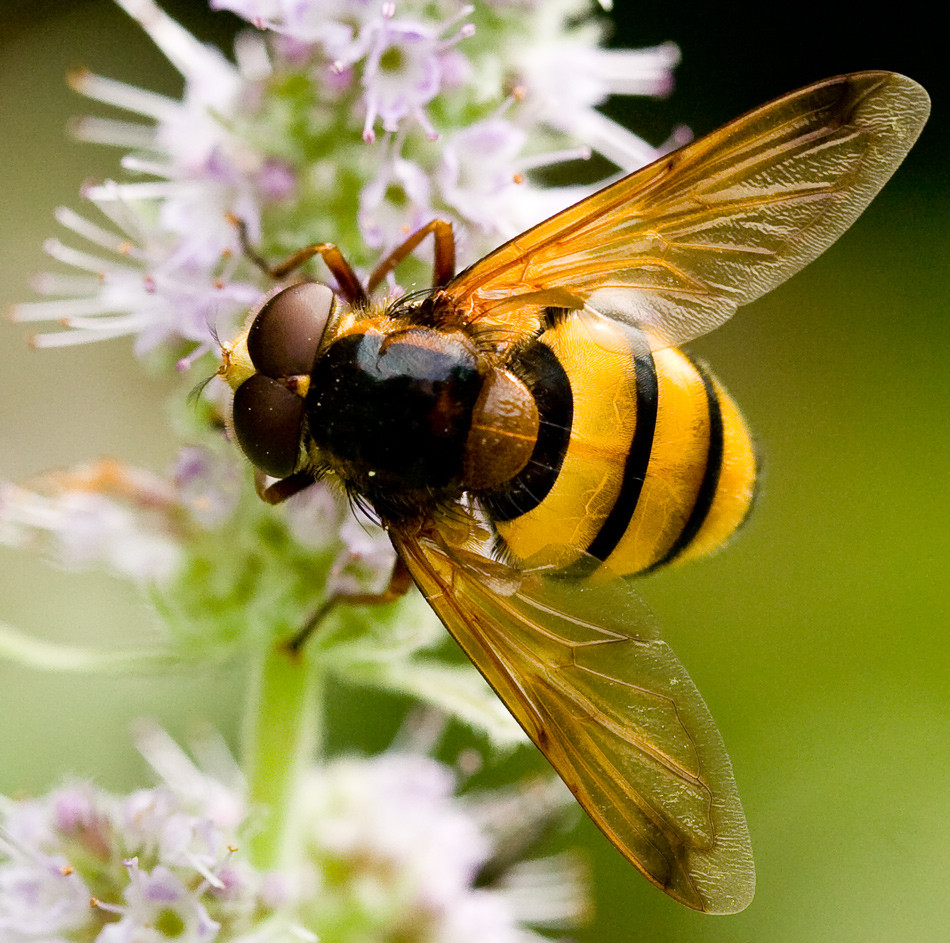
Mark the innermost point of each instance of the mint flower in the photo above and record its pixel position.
(139, 280)
(82, 864)
(77, 524)
(406, 859)
(353, 122)
(405, 68)
(398, 200)
(389, 852)
(231, 575)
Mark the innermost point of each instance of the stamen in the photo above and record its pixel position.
(126, 324)
(109, 198)
(616, 143)
(97, 904)
(121, 95)
(209, 876)
(181, 49)
(89, 230)
(554, 157)
(32, 312)
(113, 133)
(79, 259)
(635, 71)
(145, 190)
(58, 283)
(143, 165)
(71, 338)
(252, 57)
(187, 362)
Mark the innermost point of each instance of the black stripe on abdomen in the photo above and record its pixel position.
(638, 458)
(551, 388)
(709, 484)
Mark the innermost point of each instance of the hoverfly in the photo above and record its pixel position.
(529, 433)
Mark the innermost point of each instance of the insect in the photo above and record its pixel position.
(530, 434)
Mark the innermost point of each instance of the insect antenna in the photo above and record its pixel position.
(194, 397)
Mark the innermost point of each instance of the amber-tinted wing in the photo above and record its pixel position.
(677, 246)
(605, 699)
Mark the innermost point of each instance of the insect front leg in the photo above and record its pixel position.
(443, 266)
(283, 488)
(347, 281)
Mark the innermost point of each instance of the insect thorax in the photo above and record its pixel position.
(390, 411)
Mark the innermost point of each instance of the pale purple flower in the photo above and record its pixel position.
(141, 281)
(331, 24)
(564, 76)
(396, 203)
(213, 785)
(162, 863)
(413, 853)
(477, 173)
(314, 515)
(81, 529)
(320, 519)
(119, 518)
(205, 170)
(41, 897)
(404, 67)
(483, 177)
(158, 906)
(208, 485)
(366, 561)
(277, 180)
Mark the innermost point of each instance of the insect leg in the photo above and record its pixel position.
(443, 267)
(399, 583)
(283, 489)
(347, 281)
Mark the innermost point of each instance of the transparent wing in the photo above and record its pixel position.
(677, 246)
(605, 699)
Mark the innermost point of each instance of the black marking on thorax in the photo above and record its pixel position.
(551, 388)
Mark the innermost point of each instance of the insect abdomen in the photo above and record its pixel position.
(642, 457)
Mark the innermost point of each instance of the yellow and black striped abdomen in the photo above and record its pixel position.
(642, 458)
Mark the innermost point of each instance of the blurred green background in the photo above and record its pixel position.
(819, 639)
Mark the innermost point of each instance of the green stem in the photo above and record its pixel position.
(280, 740)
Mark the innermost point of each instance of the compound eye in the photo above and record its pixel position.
(286, 333)
(268, 419)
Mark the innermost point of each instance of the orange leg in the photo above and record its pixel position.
(399, 583)
(349, 285)
(443, 267)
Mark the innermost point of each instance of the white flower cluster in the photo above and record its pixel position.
(355, 122)
(416, 863)
(81, 864)
(142, 526)
(390, 852)
(125, 520)
(79, 524)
